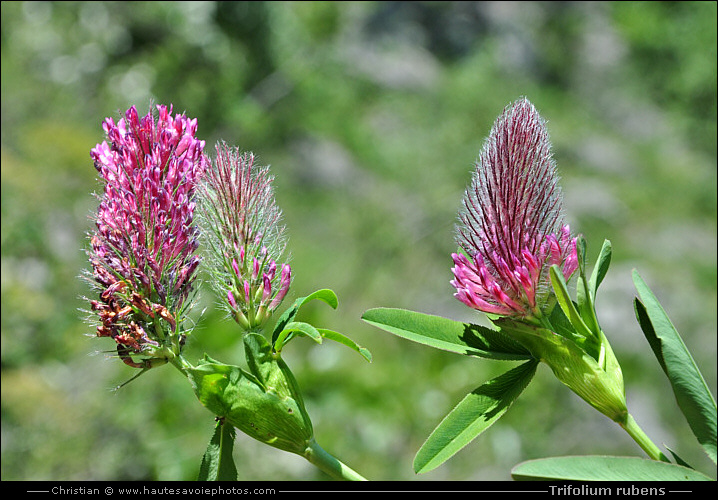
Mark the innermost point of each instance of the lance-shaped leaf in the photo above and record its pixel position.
(603, 468)
(286, 327)
(584, 297)
(317, 334)
(472, 416)
(600, 269)
(217, 462)
(567, 306)
(690, 389)
(584, 312)
(296, 327)
(588, 340)
(325, 295)
(343, 339)
(446, 334)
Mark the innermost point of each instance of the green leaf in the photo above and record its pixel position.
(603, 468)
(343, 339)
(678, 459)
(584, 297)
(691, 391)
(286, 327)
(472, 416)
(446, 334)
(217, 462)
(296, 327)
(567, 306)
(560, 324)
(325, 295)
(601, 268)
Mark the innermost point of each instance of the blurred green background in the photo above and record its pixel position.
(371, 115)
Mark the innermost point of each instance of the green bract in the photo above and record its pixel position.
(572, 366)
(265, 404)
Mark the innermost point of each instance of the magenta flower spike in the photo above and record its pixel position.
(246, 237)
(142, 250)
(511, 227)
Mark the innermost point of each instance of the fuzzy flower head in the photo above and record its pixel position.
(246, 237)
(142, 250)
(511, 228)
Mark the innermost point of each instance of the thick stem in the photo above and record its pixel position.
(324, 461)
(633, 430)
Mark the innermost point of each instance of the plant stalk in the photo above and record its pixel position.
(181, 364)
(327, 463)
(640, 437)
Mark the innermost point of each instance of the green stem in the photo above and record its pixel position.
(181, 364)
(324, 461)
(633, 430)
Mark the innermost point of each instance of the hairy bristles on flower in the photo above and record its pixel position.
(511, 224)
(246, 237)
(142, 251)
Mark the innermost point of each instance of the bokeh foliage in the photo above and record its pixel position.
(371, 115)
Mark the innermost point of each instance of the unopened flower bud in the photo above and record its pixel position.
(245, 225)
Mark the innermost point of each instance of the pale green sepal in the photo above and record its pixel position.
(602, 468)
(572, 366)
(691, 391)
(472, 416)
(583, 314)
(584, 338)
(217, 462)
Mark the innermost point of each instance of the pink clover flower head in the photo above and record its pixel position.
(247, 237)
(142, 250)
(511, 228)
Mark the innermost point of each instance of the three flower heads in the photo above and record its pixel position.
(143, 249)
